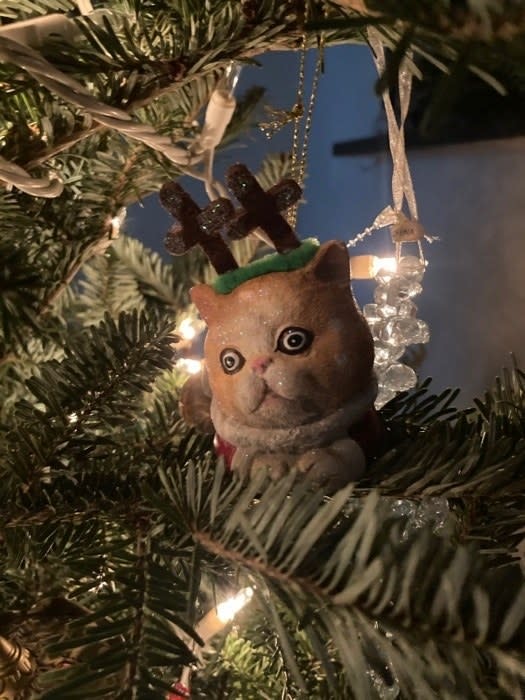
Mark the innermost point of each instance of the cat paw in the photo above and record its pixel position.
(247, 463)
(335, 466)
(276, 464)
(241, 462)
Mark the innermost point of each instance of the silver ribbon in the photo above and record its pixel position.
(402, 186)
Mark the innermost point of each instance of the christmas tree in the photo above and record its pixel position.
(121, 532)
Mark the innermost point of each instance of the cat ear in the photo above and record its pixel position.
(331, 263)
(206, 300)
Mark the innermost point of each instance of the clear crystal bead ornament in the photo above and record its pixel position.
(394, 326)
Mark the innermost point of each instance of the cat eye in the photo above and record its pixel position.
(293, 341)
(231, 360)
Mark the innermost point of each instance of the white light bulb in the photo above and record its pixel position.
(187, 330)
(189, 365)
(388, 264)
(230, 77)
(226, 611)
(117, 221)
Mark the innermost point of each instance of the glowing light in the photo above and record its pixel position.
(226, 611)
(117, 221)
(187, 329)
(388, 264)
(189, 365)
(366, 267)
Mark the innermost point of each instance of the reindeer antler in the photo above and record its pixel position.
(203, 227)
(198, 226)
(262, 209)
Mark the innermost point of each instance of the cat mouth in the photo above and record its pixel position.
(268, 396)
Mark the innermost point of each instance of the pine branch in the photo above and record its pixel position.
(13, 10)
(107, 287)
(75, 265)
(113, 510)
(137, 634)
(136, 600)
(174, 105)
(485, 21)
(367, 576)
(121, 648)
(83, 229)
(135, 62)
(98, 384)
(484, 447)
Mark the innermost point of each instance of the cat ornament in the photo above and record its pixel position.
(287, 379)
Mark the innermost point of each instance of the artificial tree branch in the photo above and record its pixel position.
(119, 512)
(115, 202)
(141, 554)
(215, 547)
(501, 20)
(80, 134)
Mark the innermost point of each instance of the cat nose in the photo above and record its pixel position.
(261, 364)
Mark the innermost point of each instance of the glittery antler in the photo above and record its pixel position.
(198, 226)
(262, 209)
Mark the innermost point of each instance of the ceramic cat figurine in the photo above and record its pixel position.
(288, 379)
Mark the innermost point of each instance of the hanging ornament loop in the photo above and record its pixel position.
(392, 316)
(300, 150)
(402, 186)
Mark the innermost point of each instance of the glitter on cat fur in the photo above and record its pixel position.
(275, 262)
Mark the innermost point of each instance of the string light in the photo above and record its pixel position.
(189, 365)
(219, 113)
(117, 222)
(230, 78)
(187, 330)
(366, 267)
(388, 264)
(226, 611)
(16, 47)
(211, 624)
(217, 618)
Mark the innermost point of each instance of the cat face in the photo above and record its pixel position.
(287, 348)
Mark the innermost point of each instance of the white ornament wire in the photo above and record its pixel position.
(73, 92)
(16, 176)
